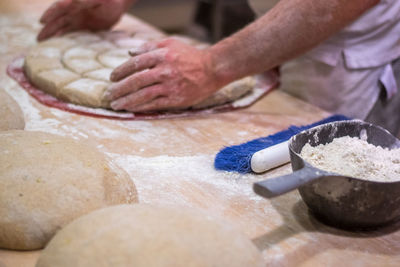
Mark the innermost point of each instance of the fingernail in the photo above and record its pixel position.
(113, 77)
(116, 105)
(40, 36)
(106, 96)
(134, 51)
(107, 93)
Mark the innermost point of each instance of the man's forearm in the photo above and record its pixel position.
(291, 28)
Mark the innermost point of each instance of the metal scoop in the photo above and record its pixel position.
(338, 200)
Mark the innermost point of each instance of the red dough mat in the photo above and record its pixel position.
(265, 83)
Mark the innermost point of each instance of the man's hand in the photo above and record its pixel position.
(70, 15)
(162, 75)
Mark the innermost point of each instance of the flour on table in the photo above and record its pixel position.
(10, 113)
(354, 157)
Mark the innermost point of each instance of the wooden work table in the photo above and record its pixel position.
(170, 162)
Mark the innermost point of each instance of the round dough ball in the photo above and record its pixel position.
(11, 114)
(148, 236)
(46, 181)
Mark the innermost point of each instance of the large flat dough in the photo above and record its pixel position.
(11, 116)
(143, 235)
(46, 181)
(58, 65)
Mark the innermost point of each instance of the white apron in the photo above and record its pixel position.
(342, 74)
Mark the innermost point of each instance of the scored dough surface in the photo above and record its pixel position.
(144, 235)
(46, 181)
(76, 68)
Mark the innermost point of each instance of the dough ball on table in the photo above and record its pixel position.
(46, 181)
(148, 236)
(11, 116)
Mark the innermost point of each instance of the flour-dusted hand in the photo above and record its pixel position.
(70, 15)
(163, 75)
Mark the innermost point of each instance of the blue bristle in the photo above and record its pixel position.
(237, 158)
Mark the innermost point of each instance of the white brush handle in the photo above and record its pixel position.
(270, 157)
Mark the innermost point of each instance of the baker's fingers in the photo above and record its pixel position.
(144, 48)
(133, 101)
(58, 9)
(132, 84)
(138, 63)
(157, 104)
(153, 45)
(52, 28)
(64, 30)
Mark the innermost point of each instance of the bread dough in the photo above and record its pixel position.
(227, 94)
(58, 65)
(148, 236)
(46, 181)
(10, 113)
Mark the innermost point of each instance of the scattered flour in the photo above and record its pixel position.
(354, 157)
(169, 175)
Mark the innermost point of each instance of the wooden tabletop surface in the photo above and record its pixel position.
(170, 162)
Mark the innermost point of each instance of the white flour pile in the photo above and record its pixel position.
(351, 156)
